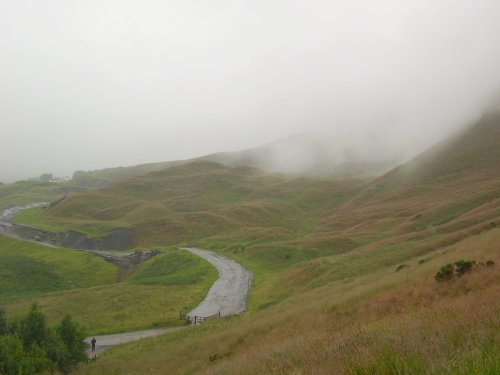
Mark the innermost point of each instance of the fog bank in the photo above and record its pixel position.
(94, 84)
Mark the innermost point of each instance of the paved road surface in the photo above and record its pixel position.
(228, 295)
(106, 341)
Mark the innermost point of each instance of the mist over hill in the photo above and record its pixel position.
(309, 154)
(318, 154)
(339, 153)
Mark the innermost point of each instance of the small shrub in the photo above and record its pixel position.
(214, 357)
(445, 273)
(401, 266)
(463, 266)
(490, 263)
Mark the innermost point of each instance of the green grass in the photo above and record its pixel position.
(176, 267)
(26, 192)
(197, 201)
(37, 217)
(85, 286)
(119, 307)
(376, 323)
(313, 245)
(28, 269)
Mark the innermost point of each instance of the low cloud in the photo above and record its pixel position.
(93, 84)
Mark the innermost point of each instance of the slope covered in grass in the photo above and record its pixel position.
(353, 290)
(285, 227)
(449, 191)
(198, 201)
(379, 322)
(28, 269)
(326, 255)
(84, 286)
(26, 192)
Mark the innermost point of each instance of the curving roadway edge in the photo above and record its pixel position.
(228, 295)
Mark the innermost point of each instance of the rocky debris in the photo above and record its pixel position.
(127, 260)
(139, 256)
(118, 239)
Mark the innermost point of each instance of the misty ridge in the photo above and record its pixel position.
(365, 85)
(318, 154)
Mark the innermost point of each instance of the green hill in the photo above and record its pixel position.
(449, 191)
(445, 194)
(199, 200)
(344, 268)
(28, 270)
(95, 293)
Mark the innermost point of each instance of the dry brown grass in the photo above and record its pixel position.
(384, 322)
(411, 329)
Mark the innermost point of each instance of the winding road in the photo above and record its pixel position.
(227, 296)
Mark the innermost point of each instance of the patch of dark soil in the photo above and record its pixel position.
(77, 240)
(118, 239)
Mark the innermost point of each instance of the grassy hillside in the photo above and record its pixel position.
(86, 287)
(283, 227)
(29, 270)
(325, 155)
(197, 201)
(344, 269)
(353, 291)
(26, 192)
(100, 177)
(380, 322)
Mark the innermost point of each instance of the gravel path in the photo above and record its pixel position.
(228, 296)
(107, 341)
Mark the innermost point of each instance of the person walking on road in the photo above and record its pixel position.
(93, 343)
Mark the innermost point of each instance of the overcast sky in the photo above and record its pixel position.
(100, 83)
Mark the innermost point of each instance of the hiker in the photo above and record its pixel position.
(93, 343)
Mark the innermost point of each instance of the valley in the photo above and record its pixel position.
(343, 268)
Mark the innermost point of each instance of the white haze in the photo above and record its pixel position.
(92, 84)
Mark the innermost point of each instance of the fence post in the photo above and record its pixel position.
(219, 314)
(195, 320)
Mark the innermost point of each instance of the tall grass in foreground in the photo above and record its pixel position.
(451, 328)
(380, 323)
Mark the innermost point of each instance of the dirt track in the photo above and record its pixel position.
(105, 342)
(228, 296)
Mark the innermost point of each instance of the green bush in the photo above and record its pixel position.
(445, 273)
(28, 346)
(464, 266)
(458, 269)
